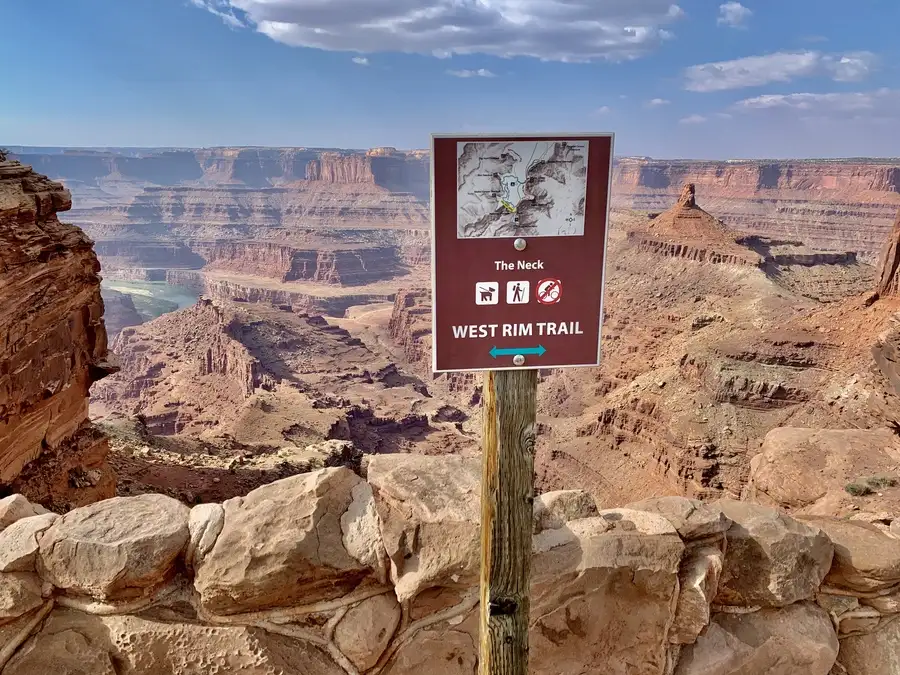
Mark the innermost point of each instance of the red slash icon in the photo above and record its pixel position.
(549, 291)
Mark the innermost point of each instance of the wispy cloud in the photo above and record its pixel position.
(878, 103)
(481, 72)
(693, 119)
(657, 102)
(554, 30)
(603, 110)
(754, 71)
(360, 60)
(733, 14)
(223, 10)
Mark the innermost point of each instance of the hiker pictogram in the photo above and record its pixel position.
(518, 292)
(487, 293)
(549, 291)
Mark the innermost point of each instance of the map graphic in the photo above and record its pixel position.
(521, 188)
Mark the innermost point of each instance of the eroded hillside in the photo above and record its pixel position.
(237, 394)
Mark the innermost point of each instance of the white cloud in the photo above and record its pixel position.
(657, 102)
(603, 110)
(733, 14)
(754, 71)
(881, 103)
(852, 67)
(481, 72)
(692, 119)
(360, 60)
(222, 10)
(553, 30)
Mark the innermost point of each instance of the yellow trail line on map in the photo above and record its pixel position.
(509, 207)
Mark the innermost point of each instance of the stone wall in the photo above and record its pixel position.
(53, 346)
(328, 573)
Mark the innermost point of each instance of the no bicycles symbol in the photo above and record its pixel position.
(549, 291)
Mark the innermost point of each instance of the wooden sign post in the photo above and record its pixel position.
(507, 493)
(519, 227)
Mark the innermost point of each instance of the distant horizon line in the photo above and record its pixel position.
(26, 149)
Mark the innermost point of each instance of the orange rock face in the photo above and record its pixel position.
(888, 284)
(687, 231)
(53, 346)
(828, 201)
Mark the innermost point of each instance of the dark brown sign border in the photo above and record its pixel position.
(492, 137)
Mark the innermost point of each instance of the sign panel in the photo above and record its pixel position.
(518, 242)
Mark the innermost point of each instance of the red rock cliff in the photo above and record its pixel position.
(826, 201)
(52, 346)
(888, 283)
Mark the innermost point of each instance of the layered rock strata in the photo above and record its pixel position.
(822, 201)
(334, 574)
(888, 282)
(687, 231)
(53, 348)
(266, 381)
(224, 288)
(119, 313)
(410, 329)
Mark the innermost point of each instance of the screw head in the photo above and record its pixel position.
(518, 360)
(520, 244)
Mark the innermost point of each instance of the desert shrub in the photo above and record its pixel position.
(858, 489)
(880, 482)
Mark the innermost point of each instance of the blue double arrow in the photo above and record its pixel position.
(524, 351)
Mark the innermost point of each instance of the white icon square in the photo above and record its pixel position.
(518, 292)
(487, 293)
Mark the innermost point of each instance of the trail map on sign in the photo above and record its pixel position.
(521, 188)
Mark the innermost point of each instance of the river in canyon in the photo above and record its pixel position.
(153, 298)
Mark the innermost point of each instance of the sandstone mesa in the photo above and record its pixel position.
(739, 364)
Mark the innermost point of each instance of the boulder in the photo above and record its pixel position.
(72, 643)
(865, 558)
(116, 549)
(429, 509)
(603, 593)
(794, 640)
(20, 592)
(698, 583)
(19, 542)
(875, 653)
(281, 546)
(366, 630)
(806, 469)
(771, 560)
(552, 510)
(16, 507)
(693, 519)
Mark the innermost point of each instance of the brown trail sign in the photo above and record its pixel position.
(519, 225)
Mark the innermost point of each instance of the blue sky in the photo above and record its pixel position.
(700, 78)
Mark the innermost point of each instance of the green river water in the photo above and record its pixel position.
(153, 298)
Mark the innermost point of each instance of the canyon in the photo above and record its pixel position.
(298, 493)
(231, 219)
